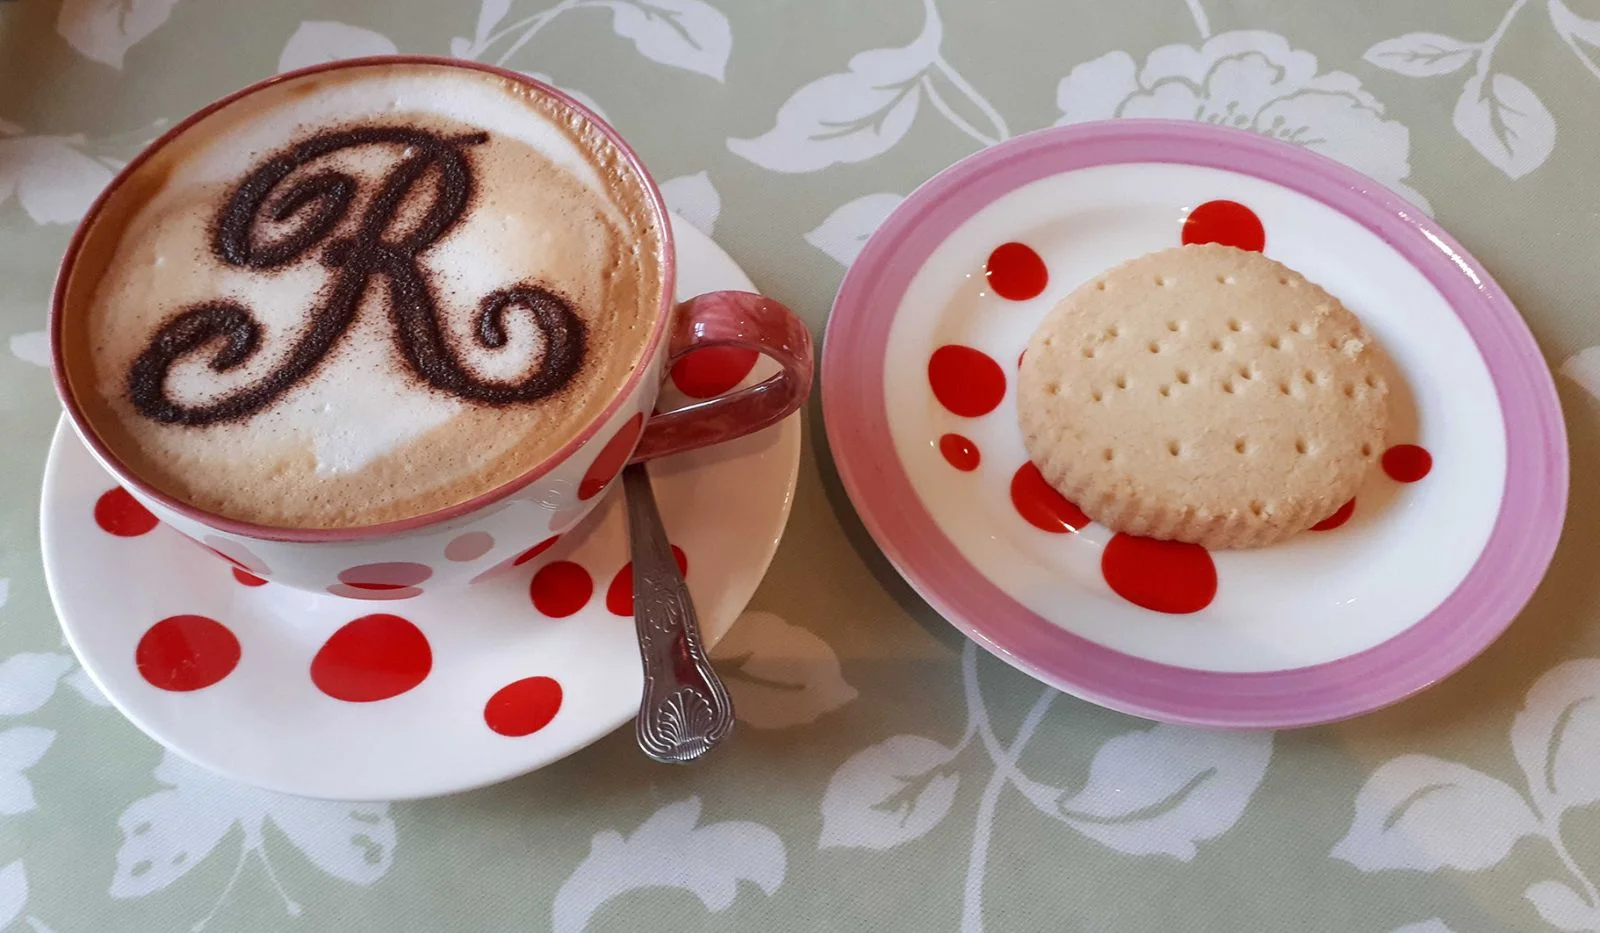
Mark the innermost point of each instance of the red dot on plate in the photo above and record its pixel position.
(1227, 222)
(1016, 272)
(966, 381)
(1041, 506)
(619, 595)
(1338, 518)
(961, 452)
(523, 707)
(1407, 463)
(248, 578)
(713, 370)
(372, 658)
(560, 589)
(186, 652)
(536, 550)
(120, 514)
(613, 457)
(1164, 576)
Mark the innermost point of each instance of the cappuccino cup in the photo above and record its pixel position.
(385, 325)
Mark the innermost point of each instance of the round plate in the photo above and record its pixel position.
(1420, 578)
(269, 722)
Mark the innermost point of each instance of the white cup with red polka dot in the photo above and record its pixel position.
(511, 523)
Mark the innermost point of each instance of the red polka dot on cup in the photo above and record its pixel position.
(236, 554)
(564, 520)
(469, 547)
(392, 580)
(518, 560)
(372, 658)
(613, 457)
(246, 578)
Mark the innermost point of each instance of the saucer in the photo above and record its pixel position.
(339, 698)
(1439, 551)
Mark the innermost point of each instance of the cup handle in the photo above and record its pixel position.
(732, 319)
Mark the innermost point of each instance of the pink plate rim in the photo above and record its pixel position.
(1502, 579)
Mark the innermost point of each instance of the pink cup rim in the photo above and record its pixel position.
(659, 215)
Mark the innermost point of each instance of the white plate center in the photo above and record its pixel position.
(1317, 598)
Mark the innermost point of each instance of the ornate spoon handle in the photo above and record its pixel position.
(686, 709)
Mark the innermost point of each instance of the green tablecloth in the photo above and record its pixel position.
(886, 776)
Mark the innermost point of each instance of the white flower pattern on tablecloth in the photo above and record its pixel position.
(1422, 813)
(31, 347)
(53, 179)
(316, 42)
(862, 112)
(689, 34)
(695, 199)
(1246, 79)
(1157, 791)
(1499, 115)
(671, 850)
(105, 31)
(1583, 368)
(1249, 80)
(844, 232)
(27, 682)
(174, 829)
(780, 675)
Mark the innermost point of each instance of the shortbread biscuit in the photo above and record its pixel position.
(1203, 394)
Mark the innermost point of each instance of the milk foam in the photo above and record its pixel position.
(363, 410)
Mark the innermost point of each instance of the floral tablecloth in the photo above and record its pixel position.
(886, 775)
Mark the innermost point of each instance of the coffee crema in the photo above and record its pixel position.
(362, 295)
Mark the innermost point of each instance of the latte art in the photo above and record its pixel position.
(362, 295)
(317, 203)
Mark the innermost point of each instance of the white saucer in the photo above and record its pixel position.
(268, 723)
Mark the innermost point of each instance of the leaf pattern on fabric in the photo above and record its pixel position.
(850, 116)
(51, 177)
(319, 41)
(1162, 790)
(671, 849)
(105, 30)
(780, 674)
(1251, 80)
(888, 794)
(1422, 813)
(166, 834)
